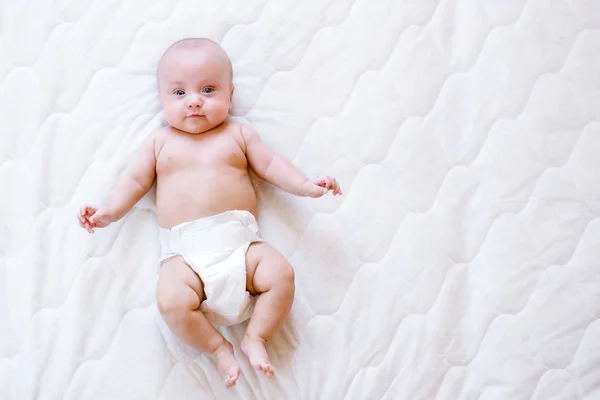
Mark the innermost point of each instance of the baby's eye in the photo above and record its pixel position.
(179, 92)
(208, 90)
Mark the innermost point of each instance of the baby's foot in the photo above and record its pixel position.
(227, 365)
(254, 349)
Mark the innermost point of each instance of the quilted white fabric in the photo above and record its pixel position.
(462, 262)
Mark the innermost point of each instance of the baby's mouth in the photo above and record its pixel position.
(195, 116)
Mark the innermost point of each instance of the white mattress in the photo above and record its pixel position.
(462, 261)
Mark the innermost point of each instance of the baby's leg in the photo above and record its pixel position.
(270, 276)
(180, 292)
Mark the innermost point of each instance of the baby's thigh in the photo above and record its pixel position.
(178, 285)
(265, 268)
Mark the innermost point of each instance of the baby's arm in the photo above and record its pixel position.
(130, 188)
(278, 171)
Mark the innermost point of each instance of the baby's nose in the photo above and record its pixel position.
(194, 101)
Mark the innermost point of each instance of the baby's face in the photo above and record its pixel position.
(195, 89)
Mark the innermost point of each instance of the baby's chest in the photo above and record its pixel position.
(193, 154)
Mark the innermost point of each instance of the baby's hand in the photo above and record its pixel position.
(320, 187)
(91, 217)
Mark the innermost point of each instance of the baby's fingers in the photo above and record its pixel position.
(83, 220)
(331, 184)
(88, 210)
(317, 191)
(89, 228)
(337, 190)
(85, 224)
(325, 182)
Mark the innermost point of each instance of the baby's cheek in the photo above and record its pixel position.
(173, 117)
(223, 108)
(175, 112)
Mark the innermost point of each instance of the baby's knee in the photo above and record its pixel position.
(175, 307)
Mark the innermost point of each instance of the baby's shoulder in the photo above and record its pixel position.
(234, 127)
(159, 137)
(242, 130)
(162, 133)
(239, 131)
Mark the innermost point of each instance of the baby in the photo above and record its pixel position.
(215, 269)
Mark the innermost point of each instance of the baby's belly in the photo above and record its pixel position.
(180, 200)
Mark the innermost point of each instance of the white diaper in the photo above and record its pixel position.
(215, 247)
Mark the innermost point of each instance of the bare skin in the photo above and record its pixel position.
(201, 164)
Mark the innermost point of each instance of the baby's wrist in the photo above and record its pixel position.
(111, 213)
(305, 187)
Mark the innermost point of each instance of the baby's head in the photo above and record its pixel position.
(195, 85)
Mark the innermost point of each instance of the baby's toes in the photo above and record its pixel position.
(267, 369)
(231, 378)
(228, 382)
